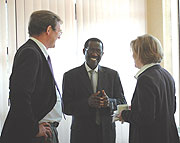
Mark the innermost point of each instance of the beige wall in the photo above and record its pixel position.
(158, 24)
(155, 18)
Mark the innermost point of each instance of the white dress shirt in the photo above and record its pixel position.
(145, 67)
(55, 115)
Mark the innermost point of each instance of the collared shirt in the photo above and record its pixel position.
(96, 73)
(145, 67)
(55, 115)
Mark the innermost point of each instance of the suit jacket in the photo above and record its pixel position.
(32, 94)
(76, 91)
(152, 108)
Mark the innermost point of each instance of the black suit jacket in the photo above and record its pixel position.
(76, 91)
(32, 94)
(152, 108)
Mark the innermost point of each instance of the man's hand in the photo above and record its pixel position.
(94, 100)
(99, 101)
(44, 130)
(104, 100)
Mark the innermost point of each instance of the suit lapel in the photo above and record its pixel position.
(84, 78)
(42, 55)
(101, 78)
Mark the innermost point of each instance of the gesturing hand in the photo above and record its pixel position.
(104, 100)
(94, 100)
(44, 130)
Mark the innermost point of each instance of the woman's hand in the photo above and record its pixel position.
(120, 117)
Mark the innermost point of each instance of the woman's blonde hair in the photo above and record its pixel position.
(148, 49)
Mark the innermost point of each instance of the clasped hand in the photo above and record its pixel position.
(99, 100)
(44, 130)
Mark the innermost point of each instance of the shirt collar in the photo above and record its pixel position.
(145, 67)
(41, 46)
(89, 69)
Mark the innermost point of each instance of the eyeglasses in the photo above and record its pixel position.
(60, 33)
(92, 50)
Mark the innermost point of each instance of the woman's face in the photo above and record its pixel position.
(137, 61)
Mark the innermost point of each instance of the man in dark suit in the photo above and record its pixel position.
(35, 109)
(92, 98)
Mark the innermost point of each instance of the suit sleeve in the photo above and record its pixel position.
(73, 103)
(143, 105)
(118, 93)
(22, 85)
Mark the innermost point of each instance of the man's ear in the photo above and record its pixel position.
(49, 29)
(84, 50)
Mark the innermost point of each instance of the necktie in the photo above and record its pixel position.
(50, 66)
(93, 81)
(94, 87)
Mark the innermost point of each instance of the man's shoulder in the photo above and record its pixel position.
(107, 69)
(29, 46)
(75, 70)
(29, 50)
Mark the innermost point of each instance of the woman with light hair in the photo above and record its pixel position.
(153, 104)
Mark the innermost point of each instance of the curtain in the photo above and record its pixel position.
(3, 64)
(115, 22)
(18, 13)
(175, 53)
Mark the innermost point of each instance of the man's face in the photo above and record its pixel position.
(54, 35)
(93, 54)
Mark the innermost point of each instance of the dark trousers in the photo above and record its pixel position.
(99, 133)
(84, 135)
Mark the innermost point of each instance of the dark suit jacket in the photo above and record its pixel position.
(152, 108)
(76, 91)
(32, 94)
